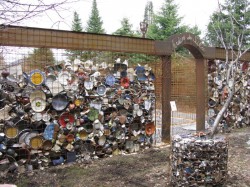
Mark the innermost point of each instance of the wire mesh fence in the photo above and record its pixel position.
(69, 106)
(71, 103)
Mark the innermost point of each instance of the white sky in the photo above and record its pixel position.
(112, 12)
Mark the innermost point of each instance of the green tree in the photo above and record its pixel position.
(39, 59)
(94, 24)
(194, 30)
(166, 22)
(76, 23)
(125, 29)
(228, 22)
(76, 26)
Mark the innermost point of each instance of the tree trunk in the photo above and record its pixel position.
(220, 114)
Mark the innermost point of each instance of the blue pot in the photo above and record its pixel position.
(58, 161)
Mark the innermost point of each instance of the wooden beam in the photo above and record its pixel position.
(61, 39)
(36, 37)
(220, 54)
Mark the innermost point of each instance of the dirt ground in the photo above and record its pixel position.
(149, 168)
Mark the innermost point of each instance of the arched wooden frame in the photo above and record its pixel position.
(196, 48)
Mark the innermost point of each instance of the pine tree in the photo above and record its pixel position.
(125, 29)
(166, 23)
(76, 23)
(76, 26)
(94, 24)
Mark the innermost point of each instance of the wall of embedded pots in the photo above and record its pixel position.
(238, 112)
(75, 112)
(198, 161)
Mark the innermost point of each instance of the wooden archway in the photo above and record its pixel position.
(197, 49)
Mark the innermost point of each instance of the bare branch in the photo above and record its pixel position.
(15, 11)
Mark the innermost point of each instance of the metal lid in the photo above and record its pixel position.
(64, 77)
(140, 72)
(49, 132)
(88, 84)
(46, 117)
(120, 67)
(150, 128)
(60, 102)
(37, 77)
(22, 135)
(101, 90)
(38, 104)
(83, 135)
(11, 132)
(47, 145)
(37, 94)
(93, 114)
(55, 87)
(139, 112)
(50, 79)
(125, 82)
(37, 116)
(36, 142)
(102, 140)
(66, 118)
(131, 74)
(110, 80)
(70, 138)
(29, 136)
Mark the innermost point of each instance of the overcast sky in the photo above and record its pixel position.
(112, 11)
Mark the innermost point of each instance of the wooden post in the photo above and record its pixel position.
(200, 95)
(166, 97)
